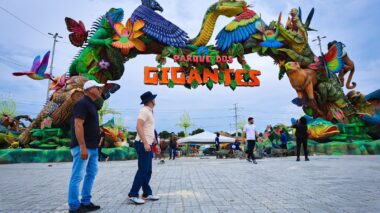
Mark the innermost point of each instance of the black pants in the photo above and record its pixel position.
(250, 148)
(302, 141)
(101, 154)
(284, 146)
(217, 147)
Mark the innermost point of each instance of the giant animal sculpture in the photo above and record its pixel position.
(303, 81)
(110, 43)
(368, 108)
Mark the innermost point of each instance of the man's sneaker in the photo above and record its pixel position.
(307, 159)
(90, 207)
(298, 159)
(254, 162)
(136, 200)
(249, 160)
(152, 198)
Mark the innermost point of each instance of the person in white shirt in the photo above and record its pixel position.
(250, 136)
(143, 144)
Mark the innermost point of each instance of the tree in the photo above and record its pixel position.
(240, 126)
(119, 123)
(197, 131)
(185, 122)
(8, 107)
(181, 134)
(164, 135)
(106, 110)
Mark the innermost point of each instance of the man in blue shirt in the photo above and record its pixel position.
(217, 142)
(236, 145)
(284, 141)
(85, 137)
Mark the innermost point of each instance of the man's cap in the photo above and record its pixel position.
(91, 83)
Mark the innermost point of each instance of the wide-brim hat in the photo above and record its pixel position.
(146, 97)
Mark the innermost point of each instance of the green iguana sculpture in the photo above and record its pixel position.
(99, 48)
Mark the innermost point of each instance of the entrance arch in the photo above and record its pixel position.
(112, 42)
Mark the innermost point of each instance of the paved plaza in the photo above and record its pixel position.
(325, 184)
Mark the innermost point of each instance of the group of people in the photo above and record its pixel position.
(251, 136)
(86, 138)
(163, 147)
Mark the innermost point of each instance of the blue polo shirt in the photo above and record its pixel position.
(85, 109)
(284, 139)
(217, 141)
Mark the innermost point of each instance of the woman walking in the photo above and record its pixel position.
(301, 137)
(172, 146)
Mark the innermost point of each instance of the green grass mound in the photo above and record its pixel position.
(340, 148)
(61, 154)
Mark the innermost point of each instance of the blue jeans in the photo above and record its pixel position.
(172, 152)
(82, 168)
(144, 172)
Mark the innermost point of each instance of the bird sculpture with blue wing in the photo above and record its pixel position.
(270, 34)
(157, 27)
(37, 72)
(239, 30)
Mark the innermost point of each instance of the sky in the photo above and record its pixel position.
(354, 22)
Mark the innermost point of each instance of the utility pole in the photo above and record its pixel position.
(55, 36)
(319, 39)
(236, 118)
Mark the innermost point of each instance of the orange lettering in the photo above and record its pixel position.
(194, 75)
(212, 75)
(239, 77)
(178, 80)
(147, 78)
(227, 76)
(164, 77)
(255, 81)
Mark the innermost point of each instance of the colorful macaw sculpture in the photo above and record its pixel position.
(239, 30)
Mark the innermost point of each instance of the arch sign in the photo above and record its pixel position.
(317, 79)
